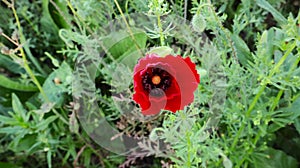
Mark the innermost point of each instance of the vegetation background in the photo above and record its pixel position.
(257, 42)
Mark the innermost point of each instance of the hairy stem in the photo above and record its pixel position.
(128, 27)
(161, 35)
(26, 66)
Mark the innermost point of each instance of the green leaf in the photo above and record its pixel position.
(57, 17)
(277, 15)
(49, 158)
(46, 20)
(10, 65)
(45, 123)
(14, 85)
(265, 45)
(242, 50)
(55, 91)
(11, 130)
(297, 124)
(26, 143)
(275, 158)
(87, 154)
(294, 108)
(8, 120)
(48, 25)
(15, 68)
(18, 107)
(121, 45)
(293, 112)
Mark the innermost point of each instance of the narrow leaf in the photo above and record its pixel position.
(10, 84)
(18, 107)
(277, 15)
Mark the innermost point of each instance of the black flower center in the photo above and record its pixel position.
(156, 81)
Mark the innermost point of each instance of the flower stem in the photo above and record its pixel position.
(22, 38)
(189, 146)
(128, 27)
(26, 66)
(227, 34)
(161, 35)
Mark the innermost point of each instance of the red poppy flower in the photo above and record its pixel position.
(164, 83)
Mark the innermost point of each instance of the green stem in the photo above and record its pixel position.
(283, 58)
(60, 116)
(276, 101)
(128, 28)
(201, 6)
(280, 93)
(161, 35)
(250, 151)
(29, 71)
(222, 28)
(261, 90)
(189, 149)
(252, 105)
(259, 132)
(26, 66)
(23, 40)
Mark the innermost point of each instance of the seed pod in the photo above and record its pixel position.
(198, 23)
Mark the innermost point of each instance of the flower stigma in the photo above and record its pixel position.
(156, 79)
